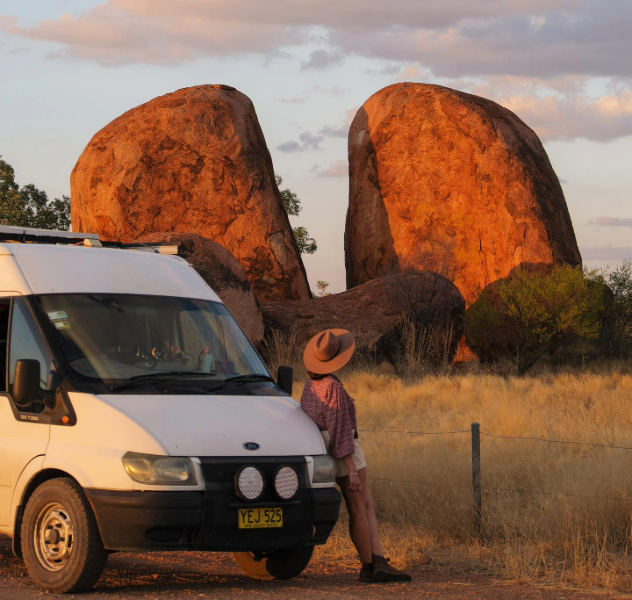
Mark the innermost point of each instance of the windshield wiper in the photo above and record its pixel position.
(241, 380)
(157, 378)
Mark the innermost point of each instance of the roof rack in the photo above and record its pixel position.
(9, 233)
(31, 235)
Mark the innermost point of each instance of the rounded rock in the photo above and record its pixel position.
(445, 181)
(192, 161)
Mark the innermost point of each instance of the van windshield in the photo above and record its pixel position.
(130, 342)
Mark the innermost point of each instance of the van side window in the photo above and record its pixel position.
(5, 305)
(26, 342)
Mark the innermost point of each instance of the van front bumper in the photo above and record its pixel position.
(207, 520)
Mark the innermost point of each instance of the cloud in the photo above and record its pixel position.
(607, 253)
(120, 32)
(295, 100)
(340, 131)
(333, 131)
(307, 142)
(452, 38)
(575, 116)
(611, 222)
(321, 59)
(338, 169)
(387, 70)
(22, 50)
(412, 72)
(335, 90)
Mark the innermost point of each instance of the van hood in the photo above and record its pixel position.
(221, 425)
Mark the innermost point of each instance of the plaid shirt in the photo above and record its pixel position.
(326, 402)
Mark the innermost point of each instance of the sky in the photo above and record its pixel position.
(563, 66)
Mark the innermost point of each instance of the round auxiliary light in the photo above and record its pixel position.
(286, 483)
(249, 483)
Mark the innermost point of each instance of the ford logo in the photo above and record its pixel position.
(250, 446)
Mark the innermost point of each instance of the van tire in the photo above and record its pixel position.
(59, 505)
(279, 564)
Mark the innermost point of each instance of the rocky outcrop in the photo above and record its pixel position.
(375, 313)
(453, 183)
(192, 161)
(222, 271)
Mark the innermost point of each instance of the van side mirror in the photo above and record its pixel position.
(26, 384)
(285, 379)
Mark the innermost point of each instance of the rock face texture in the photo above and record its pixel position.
(452, 183)
(192, 161)
(373, 312)
(222, 271)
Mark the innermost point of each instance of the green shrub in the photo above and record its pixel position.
(616, 332)
(533, 315)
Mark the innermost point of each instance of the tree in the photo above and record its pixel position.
(616, 331)
(292, 205)
(322, 289)
(535, 314)
(29, 206)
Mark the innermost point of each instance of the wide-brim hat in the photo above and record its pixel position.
(328, 351)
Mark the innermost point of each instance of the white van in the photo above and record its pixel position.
(136, 416)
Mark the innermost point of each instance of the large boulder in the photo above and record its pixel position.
(449, 182)
(192, 161)
(222, 271)
(377, 313)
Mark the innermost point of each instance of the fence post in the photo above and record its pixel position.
(476, 475)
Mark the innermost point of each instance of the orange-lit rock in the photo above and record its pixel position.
(373, 312)
(453, 183)
(192, 161)
(222, 271)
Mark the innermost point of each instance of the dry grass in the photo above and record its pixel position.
(562, 533)
(581, 540)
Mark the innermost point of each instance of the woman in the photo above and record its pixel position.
(327, 403)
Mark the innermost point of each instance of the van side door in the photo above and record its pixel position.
(24, 432)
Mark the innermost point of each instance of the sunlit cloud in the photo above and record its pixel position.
(611, 222)
(338, 169)
(567, 118)
(534, 57)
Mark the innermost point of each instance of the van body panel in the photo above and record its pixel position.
(12, 280)
(27, 475)
(79, 270)
(220, 425)
(91, 450)
(20, 443)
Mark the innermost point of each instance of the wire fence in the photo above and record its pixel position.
(476, 487)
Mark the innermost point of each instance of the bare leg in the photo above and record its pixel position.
(370, 514)
(358, 523)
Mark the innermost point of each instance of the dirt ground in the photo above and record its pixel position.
(198, 575)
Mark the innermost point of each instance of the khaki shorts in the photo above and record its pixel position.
(358, 457)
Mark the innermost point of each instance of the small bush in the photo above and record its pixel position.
(533, 315)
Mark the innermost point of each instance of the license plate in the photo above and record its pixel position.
(260, 518)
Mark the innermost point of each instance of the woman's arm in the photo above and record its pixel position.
(354, 480)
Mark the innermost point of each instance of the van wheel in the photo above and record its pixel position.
(61, 545)
(279, 564)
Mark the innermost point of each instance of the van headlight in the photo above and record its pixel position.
(324, 469)
(159, 470)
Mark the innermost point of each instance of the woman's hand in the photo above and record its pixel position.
(354, 483)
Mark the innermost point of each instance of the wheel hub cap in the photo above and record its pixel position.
(53, 537)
